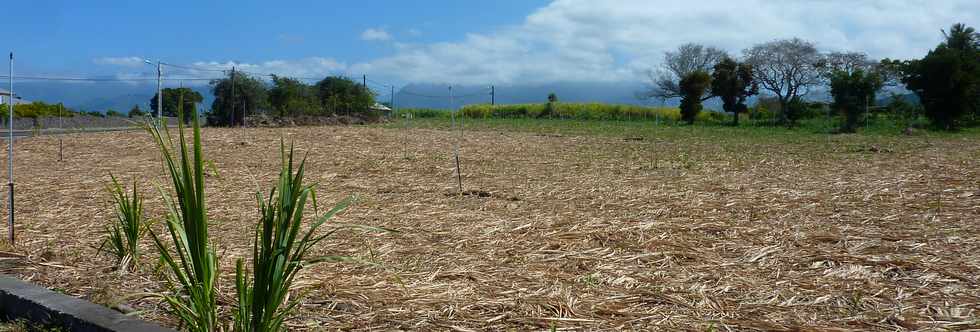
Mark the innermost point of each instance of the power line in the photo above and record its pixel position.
(193, 67)
(107, 79)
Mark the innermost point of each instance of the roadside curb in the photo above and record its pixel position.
(21, 300)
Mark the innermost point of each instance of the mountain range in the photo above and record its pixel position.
(103, 96)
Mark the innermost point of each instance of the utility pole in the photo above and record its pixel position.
(232, 96)
(452, 110)
(159, 90)
(10, 150)
(244, 116)
(61, 138)
(491, 95)
(391, 101)
(364, 81)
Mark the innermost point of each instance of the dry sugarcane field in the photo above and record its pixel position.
(625, 228)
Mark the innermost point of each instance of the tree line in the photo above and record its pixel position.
(946, 80)
(239, 95)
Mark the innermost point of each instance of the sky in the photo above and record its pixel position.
(455, 42)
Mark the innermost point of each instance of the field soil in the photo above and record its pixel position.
(664, 229)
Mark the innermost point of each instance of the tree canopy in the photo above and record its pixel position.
(733, 82)
(947, 80)
(289, 96)
(341, 95)
(236, 96)
(693, 86)
(171, 97)
(787, 68)
(852, 91)
(677, 64)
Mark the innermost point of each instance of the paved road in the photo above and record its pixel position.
(18, 133)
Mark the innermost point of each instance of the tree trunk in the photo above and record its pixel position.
(735, 123)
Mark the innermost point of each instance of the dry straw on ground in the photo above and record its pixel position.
(574, 232)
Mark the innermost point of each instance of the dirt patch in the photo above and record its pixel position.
(749, 234)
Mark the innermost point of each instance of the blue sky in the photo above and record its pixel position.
(462, 42)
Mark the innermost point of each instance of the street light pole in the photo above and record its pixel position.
(10, 150)
(159, 90)
(159, 87)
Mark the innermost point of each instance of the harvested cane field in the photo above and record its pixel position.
(651, 228)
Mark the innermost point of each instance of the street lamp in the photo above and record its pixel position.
(159, 86)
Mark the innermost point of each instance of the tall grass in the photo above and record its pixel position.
(192, 260)
(280, 249)
(568, 111)
(124, 233)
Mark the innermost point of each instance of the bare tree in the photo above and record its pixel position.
(848, 62)
(787, 68)
(687, 59)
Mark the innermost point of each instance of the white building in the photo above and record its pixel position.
(5, 95)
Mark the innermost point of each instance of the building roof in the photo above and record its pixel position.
(379, 107)
(17, 99)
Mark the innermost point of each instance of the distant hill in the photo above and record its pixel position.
(98, 97)
(437, 96)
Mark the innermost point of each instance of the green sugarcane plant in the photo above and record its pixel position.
(124, 233)
(281, 249)
(192, 261)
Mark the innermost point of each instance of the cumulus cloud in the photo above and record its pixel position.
(375, 34)
(584, 40)
(129, 61)
(312, 67)
(618, 41)
(200, 72)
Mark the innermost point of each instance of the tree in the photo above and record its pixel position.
(232, 102)
(962, 37)
(112, 113)
(852, 91)
(733, 82)
(289, 96)
(693, 86)
(847, 62)
(549, 108)
(171, 99)
(343, 95)
(787, 68)
(947, 80)
(687, 59)
(135, 112)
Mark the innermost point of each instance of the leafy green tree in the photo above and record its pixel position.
(247, 95)
(664, 83)
(135, 112)
(733, 82)
(289, 96)
(171, 97)
(947, 80)
(341, 95)
(692, 88)
(112, 113)
(852, 90)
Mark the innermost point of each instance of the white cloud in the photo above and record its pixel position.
(584, 40)
(129, 61)
(414, 32)
(616, 41)
(312, 67)
(202, 71)
(375, 34)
